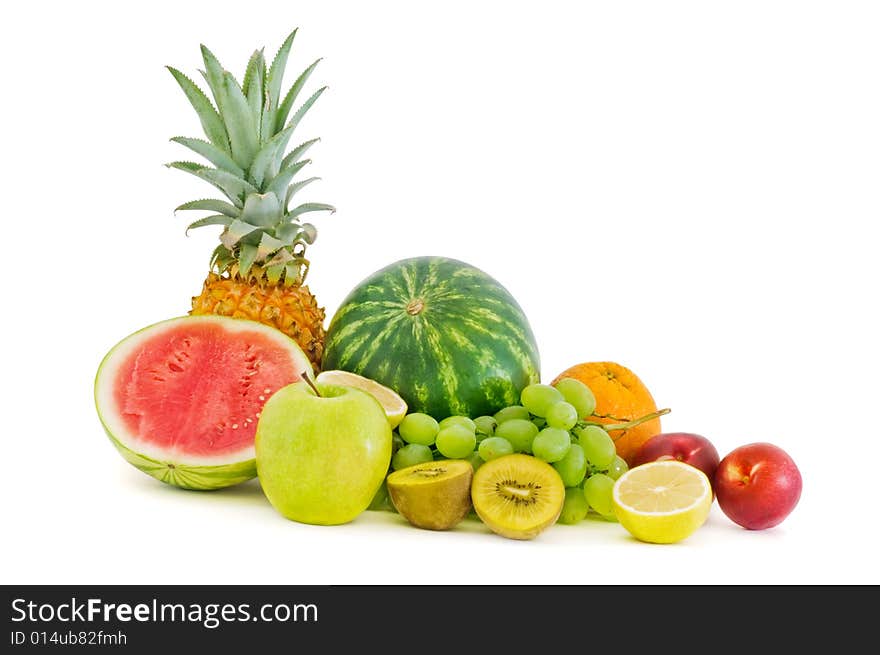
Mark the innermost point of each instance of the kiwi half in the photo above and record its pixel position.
(517, 496)
(432, 495)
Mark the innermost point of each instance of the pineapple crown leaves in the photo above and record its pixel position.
(248, 127)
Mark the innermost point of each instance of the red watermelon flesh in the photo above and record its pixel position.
(176, 390)
(181, 398)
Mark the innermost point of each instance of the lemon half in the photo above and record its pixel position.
(662, 502)
(395, 407)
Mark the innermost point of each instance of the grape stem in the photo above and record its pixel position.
(608, 427)
(609, 416)
(312, 385)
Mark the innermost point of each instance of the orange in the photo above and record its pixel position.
(620, 397)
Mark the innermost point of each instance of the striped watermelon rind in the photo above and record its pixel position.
(187, 476)
(445, 335)
(176, 465)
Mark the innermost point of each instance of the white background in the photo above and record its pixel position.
(687, 188)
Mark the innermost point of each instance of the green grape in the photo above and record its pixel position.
(617, 467)
(598, 446)
(519, 432)
(578, 394)
(537, 398)
(475, 460)
(575, 506)
(514, 411)
(456, 441)
(573, 467)
(551, 444)
(494, 447)
(410, 454)
(485, 425)
(418, 428)
(597, 491)
(562, 415)
(397, 442)
(458, 420)
(381, 500)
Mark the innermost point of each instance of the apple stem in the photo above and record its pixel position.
(312, 385)
(608, 427)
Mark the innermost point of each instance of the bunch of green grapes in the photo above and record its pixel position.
(551, 423)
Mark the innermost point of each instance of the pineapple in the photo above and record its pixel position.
(258, 270)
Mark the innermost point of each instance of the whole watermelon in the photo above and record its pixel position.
(446, 336)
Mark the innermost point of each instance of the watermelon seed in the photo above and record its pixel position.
(235, 426)
(262, 397)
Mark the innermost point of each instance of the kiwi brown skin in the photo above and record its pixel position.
(433, 495)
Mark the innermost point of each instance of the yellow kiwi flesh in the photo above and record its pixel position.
(517, 496)
(432, 495)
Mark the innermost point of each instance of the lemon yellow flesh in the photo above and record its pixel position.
(662, 502)
(395, 406)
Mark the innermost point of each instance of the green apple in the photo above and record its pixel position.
(322, 458)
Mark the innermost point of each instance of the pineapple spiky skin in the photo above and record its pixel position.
(292, 309)
(258, 270)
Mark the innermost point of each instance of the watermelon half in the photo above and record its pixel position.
(180, 399)
(445, 335)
